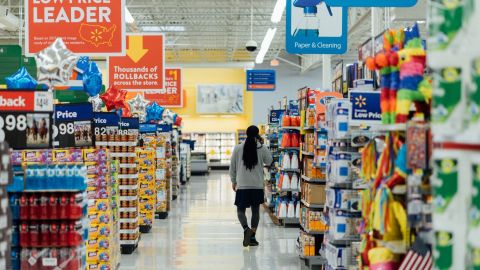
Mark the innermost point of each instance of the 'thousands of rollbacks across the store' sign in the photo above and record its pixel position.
(365, 107)
(143, 68)
(87, 27)
(313, 27)
(105, 123)
(73, 125)
(26, 119)
(172, 95)
(261, 80)
(372, 3)
(275, 116)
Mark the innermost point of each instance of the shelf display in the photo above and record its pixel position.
(9, 259)
(163, 175)
(147, 179)
(217, 146)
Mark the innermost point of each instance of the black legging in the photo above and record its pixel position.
(243, 218)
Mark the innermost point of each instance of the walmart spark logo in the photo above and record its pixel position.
(360, 101)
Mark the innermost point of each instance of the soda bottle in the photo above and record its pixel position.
(34, 231)
(62, 207)
(24, 235)
(63, 235)
(53, 207)
(54, 237)
(43, 207)
(45, 235)
(24, 208)
(33, 204)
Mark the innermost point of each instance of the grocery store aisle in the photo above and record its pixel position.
(202, 232)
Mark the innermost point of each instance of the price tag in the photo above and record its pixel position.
(25, 119)
(73, 125)
(129, 126)
(105, 123)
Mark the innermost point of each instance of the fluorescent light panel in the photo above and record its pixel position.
(267, 41)
(128, 16)
(278, 11)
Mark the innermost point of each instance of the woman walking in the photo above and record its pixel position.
(246, 173)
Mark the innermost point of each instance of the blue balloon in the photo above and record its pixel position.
(92, 80)
(154, 112)
(21, 80)
(82, 64)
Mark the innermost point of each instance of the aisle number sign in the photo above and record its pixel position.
(88, 27)
(143, 67)
(25, 119)
(323, 30)
(372, 3)
(261, 80)
(172, 95)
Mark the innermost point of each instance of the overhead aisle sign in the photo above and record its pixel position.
(172, 95)
(95, 28)
(313, 27)
(143, 68)
(372, 3)
(261, 80)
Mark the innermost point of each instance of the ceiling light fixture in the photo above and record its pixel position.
(267, 41)
(128, 16)
(274, 63)
(278, 11)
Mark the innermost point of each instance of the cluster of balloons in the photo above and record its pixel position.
(55, 65)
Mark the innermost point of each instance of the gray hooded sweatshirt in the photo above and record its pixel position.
(249, 179)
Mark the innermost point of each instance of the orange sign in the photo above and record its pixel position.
(172, 94)
(88, 27)
(143, 67)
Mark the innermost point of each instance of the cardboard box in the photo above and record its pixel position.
(315, 194)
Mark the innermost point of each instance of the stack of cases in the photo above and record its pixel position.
(146, 176)
(5, 214)
(49, 206)
(123, 149)
(103, 247)
(161, 181)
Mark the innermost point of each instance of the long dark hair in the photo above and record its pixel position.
(250, 157)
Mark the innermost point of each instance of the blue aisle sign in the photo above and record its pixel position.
(365, 107)
(129, 125)
(313, 27)
(148, 128)
(261, 80)
(164, 128)
(372, 3)
(274, 117)
(73, 125)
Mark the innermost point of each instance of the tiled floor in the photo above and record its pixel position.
(202, 232)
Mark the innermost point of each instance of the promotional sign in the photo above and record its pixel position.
(129, 125)
(143, 68)
(365, 107)
(25, 119)
(172, 95)
(95, 28)
(274, 117)
(73, 125)
(261, 80)
(372, 3)
(313, 27)
(293, 108)
(105, 123)
(164, 128)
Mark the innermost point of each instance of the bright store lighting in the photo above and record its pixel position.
(267, 41)
(128, 16)
(278, 11)
(274, 63)
(167, 28)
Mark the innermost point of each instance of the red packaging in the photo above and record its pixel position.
(286, 140)
(295, 120)
(45, 235)
(33, 204)
(74, 208)
(54, 239)
(295, 140)
(53, 254)
(24, 235)
(24, 256)
(74, 236)
(63, 235)
(75, 261)
(43, 207)
(24, 209)
(286, 120)
(34, 231)
(63, 259)
(53, 207)
(62, 207)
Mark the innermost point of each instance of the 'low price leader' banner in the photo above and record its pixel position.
(143, 68)
(172, 95)
(88, 27)
(26, 119)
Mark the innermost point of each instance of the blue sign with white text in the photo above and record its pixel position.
(74, 112)
(128, 123)
(164, 128)
(106, 119)
(261, 80)
(313, 27)
(148, 128)
(372, 3)
(365, 107)
(275, 116)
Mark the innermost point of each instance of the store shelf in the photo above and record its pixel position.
(391, 127)
(311, 205)
(290, 170)
(309, 128)
(290, 221)
(342, 242)
(308, 154)
(288, 190)
(312, 232)
(289, 148)
(313, 180)
(290, 127)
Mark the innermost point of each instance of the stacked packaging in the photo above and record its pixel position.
(147, 192)
(162, 175)
(5, 215)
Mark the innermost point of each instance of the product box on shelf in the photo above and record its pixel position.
(313, 193)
